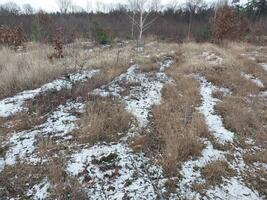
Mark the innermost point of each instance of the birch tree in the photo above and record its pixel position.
(142, 15)
(64, 5)
(192, 6)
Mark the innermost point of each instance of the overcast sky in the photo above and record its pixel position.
(51, 5)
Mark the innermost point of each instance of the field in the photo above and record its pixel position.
(174, 121)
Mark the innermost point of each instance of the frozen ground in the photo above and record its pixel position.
(105, 170)
(138, 91)
(12, 105)
(114, 170)
(22, 145)
(191, 169)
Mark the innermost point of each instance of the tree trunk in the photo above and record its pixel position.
(133, 25)
(189, 26)
(141, 27)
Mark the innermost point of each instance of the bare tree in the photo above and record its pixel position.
(11, 8)
(144, 20)
(76, 9)
(132, 9)
(193, 6)
(64, 5)
(89, 6)
(27, 9)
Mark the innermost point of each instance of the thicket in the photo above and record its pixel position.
(207, 24)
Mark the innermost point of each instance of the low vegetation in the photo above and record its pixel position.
(104, 120)
(215, 171)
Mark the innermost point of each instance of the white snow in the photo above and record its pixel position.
(251, 78)
(40, 191)
(214, 121)
(144, 90)
(12, 105)
(191, 173)
(233, 189)
(124, 174)
(59, 124)
(212, 58)
(264, 66)
(20, 145)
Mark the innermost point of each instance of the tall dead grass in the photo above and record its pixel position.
(177, 126)
(246, 117)
(26, 70)
(215, 171)
(104, 120)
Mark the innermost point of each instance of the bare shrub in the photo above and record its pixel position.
(57, 43)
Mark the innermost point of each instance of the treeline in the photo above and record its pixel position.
(171, 23)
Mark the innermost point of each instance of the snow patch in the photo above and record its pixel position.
(13, 105)
(59, 124)
(114, 171)
(264, 66)
(214, 121)
(233, 189)
(40, 191)
(191, 171)
(138, 91)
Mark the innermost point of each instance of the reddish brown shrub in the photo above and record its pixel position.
(225, 24)
(57, 43)
(12, 36)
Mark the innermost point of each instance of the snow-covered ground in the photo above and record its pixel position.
(59, 124)
(233, 188)
(138, 91)
(39, 191)
(12, 105)
(264, 66)
(114, 170)
(214, 122)
(127, 173)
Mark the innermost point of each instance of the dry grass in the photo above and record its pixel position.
(20, 71)
(246, 117)
(34, 68)
(242, 114)
(103, 121)
(15, 180)
(215, 171)
(64, 186)
(175, 137)
(149, 67)
(260, 156)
